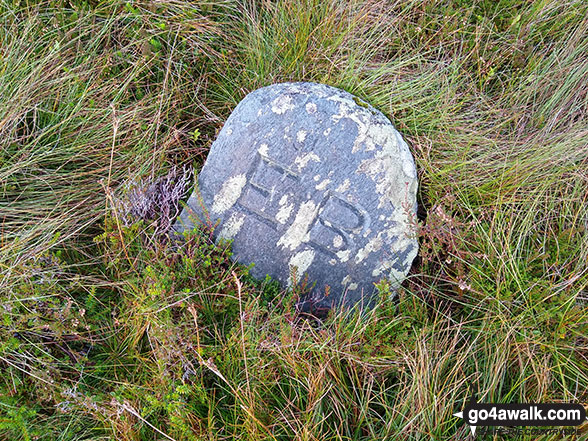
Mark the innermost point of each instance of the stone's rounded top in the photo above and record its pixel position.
(309, 179)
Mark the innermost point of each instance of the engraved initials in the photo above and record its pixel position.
(260, 195)
(332, 229)
(330, 232)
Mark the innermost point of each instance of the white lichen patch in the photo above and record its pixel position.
(326, 132)
(344, 186)
(302, 161)
(371, 134)
(347, 281)
(333, 262)
(347, 109)
(391, 169)
(296, 88)
(301, 261)
(337, 241)
(373, 245)
(386, 270)
(391, 183)
(301, 135)
(285, 210)
(263, 150)
(397, 237)
(298, 232)
(381, 268)
(282, 104)
(316, 177)
(383, 135)
(396, 277)
(232, 226)
(343, 255)
(407, 162)
(228, 194)
(322, 185)
(311, 107)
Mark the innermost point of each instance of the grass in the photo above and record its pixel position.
(109, 333)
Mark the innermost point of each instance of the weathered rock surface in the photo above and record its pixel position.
(308, 179)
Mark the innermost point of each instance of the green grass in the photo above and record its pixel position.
(107, 332)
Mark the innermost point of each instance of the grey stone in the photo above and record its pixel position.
(308, 179)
